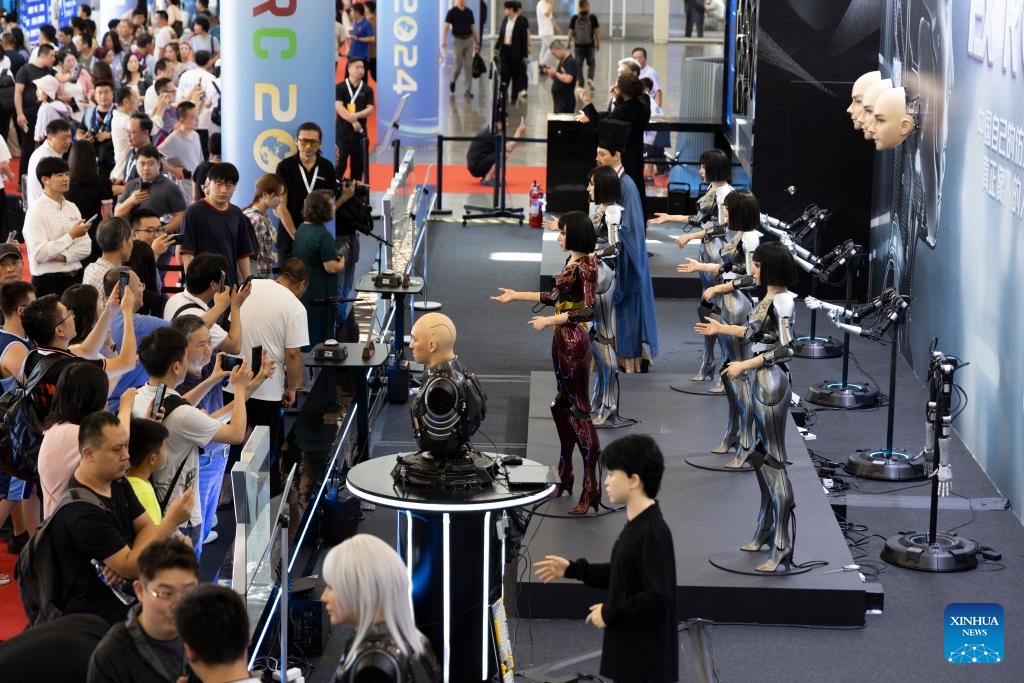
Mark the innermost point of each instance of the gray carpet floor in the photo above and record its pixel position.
(904, 642)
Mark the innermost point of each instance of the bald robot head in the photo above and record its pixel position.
(867, 115)
(432, 340)
(891, 124)
(857, 95)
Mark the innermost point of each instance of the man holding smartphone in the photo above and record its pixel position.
(152, 190)
(163, 355)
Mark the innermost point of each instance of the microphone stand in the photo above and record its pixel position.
(843, 394)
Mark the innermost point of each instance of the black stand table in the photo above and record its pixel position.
(453, 584)
(398, 374)
(358, 367)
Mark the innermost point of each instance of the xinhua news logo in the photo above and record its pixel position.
(973, 633)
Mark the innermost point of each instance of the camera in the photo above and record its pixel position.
(357, 212)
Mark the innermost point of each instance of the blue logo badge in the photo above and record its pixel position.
(973, 633)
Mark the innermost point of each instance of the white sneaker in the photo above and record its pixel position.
(216, 519)
(211, 537)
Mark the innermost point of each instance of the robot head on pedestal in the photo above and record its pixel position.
(612, 136)
(867, 114)
(857, 95)
(432, 339)
(891, 121)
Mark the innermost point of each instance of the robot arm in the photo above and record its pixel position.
(819, 305)
(837, 258)
(751, 240)
(613, 218)
(785, 310)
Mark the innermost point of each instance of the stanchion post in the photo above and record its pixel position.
(440, 171)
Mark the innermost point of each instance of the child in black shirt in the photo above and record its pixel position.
(639, 615)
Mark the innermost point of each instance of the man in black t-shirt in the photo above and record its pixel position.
(26, 104)
(563, 79)
(482, 153)
(585, 35)
(459, 21)
(302, 173)
(106, 539)
(216, 225)
(353, 103)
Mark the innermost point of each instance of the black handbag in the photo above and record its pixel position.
(478, 65)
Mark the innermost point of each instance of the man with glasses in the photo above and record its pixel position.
(140, 131)
(145, 646)
(302, 173)
(56, 237)
(110, 530)
(152, 190)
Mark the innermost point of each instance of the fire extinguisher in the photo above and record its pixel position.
(536, 206)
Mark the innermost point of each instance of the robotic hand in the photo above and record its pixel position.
(832, 309)
(945, 476)
(837, 258)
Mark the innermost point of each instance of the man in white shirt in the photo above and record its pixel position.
(202, 285)
(202, 77)
(114, 237)
(162, 31)
(57, 144)
(162, 354)
(545, 29)
(647, 71)
(55, 234)
(127, 104)
(276, 320)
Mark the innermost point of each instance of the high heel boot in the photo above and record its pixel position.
(707, 363)
(781, 492)
(765, 513)
(586, 434)
(567, 443)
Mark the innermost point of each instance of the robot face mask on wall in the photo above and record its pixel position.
(857, 95)
(890, 122)
(870, 96)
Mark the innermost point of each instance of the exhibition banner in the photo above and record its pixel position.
(33, 14)
(949, 211)
(277, 72)
(408, 45)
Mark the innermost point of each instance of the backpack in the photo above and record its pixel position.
(583, 30)
(7, 88)
(21, 422)
(215, 114)
(36, 570)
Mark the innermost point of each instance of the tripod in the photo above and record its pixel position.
(499, 114)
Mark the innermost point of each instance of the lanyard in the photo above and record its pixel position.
(352, 96)
(310, 184)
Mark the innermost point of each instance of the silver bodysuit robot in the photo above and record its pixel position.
(709, 252)
(739, 432)
(770, 334)
(605, 393)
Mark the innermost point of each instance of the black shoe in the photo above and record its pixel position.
(15, 545)
(451, 87)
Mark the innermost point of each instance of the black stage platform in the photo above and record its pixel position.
(668, 284)
(709, 513)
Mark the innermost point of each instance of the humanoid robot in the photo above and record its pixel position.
(893, 121)
(446, 412)
(716, 170)
(867, 113)
(857, 95)
(768, 332)
(604, 398)
(743, 215)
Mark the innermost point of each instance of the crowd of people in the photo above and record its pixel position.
(146, 275)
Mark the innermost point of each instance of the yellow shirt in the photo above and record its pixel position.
(147, 496)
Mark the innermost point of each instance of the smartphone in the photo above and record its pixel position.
(145, 185)
(190, 479)
(223, 278)
(257, 359)
(92, 218)
(176, 237)
(229, 363)
(158, 402)
(247, 281)
(125, 280)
